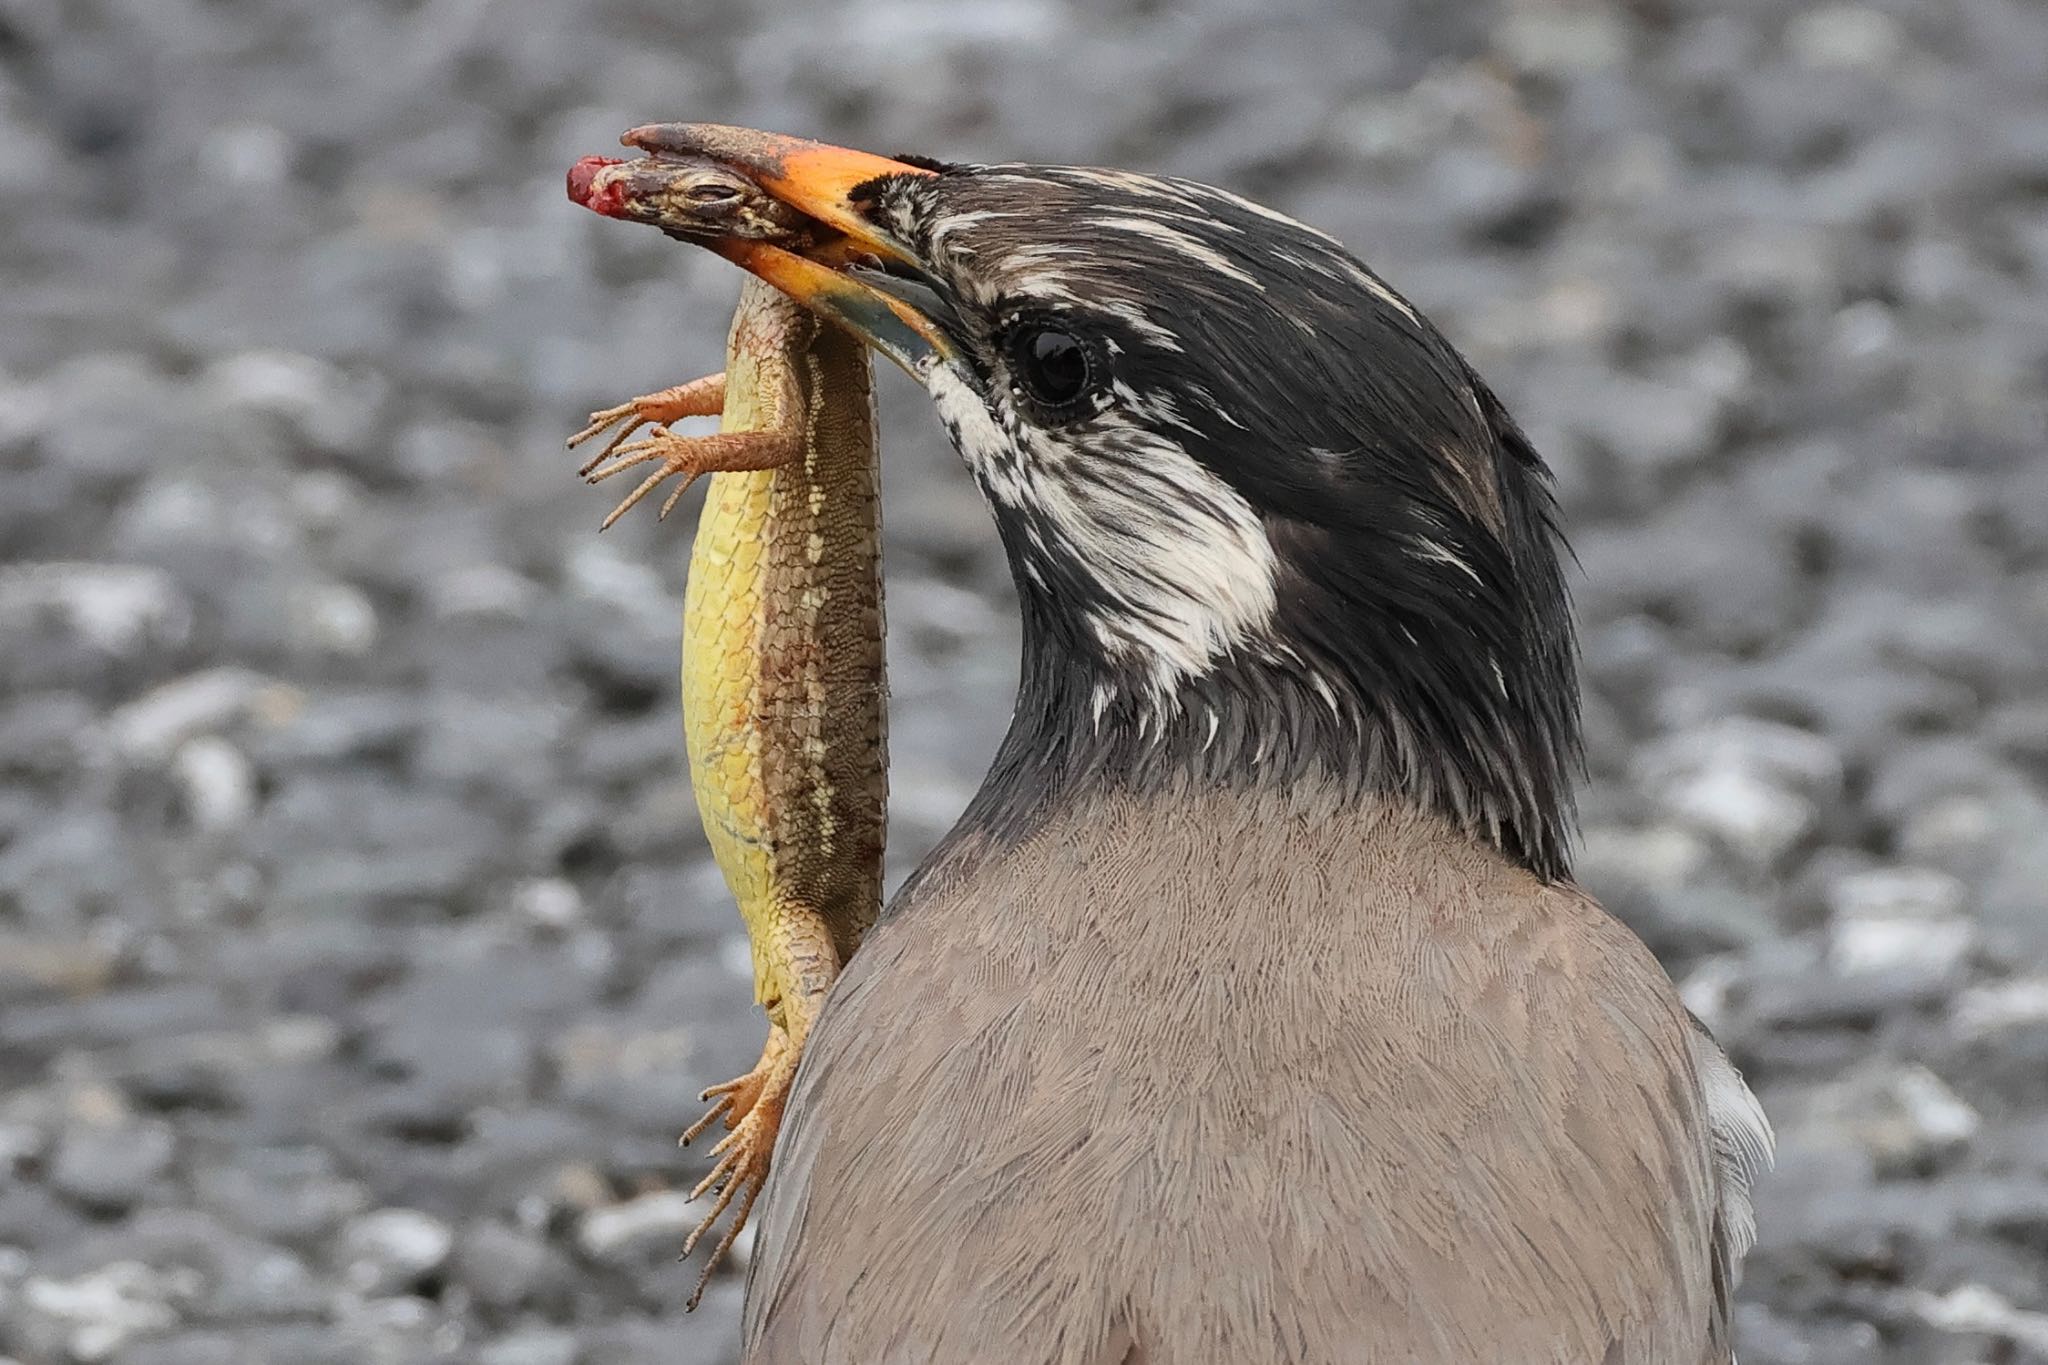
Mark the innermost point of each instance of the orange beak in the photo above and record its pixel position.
(833, 185)
(821, 181)
(890, 325)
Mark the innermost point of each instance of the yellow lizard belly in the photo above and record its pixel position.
(723, 705)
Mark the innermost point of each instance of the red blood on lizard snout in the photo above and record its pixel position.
(608, 200)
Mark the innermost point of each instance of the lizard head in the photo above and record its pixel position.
(1262, 517)
(692, 198)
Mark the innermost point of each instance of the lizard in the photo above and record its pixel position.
(783, 679)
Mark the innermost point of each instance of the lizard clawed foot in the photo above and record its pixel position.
(689, 456)
(752, 1108)
(699, 398)
(733, 1100)
(661, 444)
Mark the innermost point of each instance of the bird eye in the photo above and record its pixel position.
(1049, 365)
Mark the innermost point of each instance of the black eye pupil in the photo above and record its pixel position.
(1051, 365)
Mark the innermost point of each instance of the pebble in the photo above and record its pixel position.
(392, 1249)
(334, 618)
(19, 1143)
(1975, 1308)
(284, 1194)
(483, 591)
(1663, 857)
(265, 1283)
(323, 406)
(1851, 37)
(217, 783)
(609, 1232)
(545, 1347)
(150, 728)
(1997, 1006)
(508, 1267)
(64, 964)
(550, 902)
(1896, 919)
(90, 1317)
(1564, 41)
(108, 1168)
(1900, 1115)
(117, 609)
(1755, 785)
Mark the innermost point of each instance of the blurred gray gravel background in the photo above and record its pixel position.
(359, 955)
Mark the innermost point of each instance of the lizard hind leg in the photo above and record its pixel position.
(797, 965)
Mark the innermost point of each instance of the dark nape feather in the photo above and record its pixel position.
(923, 163)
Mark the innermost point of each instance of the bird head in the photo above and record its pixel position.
(1266, 524)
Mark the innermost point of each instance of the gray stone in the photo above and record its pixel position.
(152, 727)
(91, 1316)
(216, 783)
(618, 1230)
(532, 1348)
(1898, 919)
(116, 609)
(46, 734)
(109, 1167)
(1754, 785)
(252, 1283)
(1846, 36)
(322, 406)
(1899, 1115)
(393, 1249)
(290, 1195)
(1975, 1309)
(1996, 1007)
(506, 1267)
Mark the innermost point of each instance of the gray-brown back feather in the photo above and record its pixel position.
(1248, 1078)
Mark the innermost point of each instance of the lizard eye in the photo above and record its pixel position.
(1049, 366)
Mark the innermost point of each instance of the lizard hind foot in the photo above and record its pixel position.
(733, 1100)
(742, 1169)
(751, 1107)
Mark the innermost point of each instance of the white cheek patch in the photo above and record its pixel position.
(1183, 568)
(979, 440)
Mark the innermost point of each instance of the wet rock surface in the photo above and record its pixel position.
(359, 957)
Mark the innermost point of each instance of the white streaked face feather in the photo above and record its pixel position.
(1177, 240)
(1183, 566)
